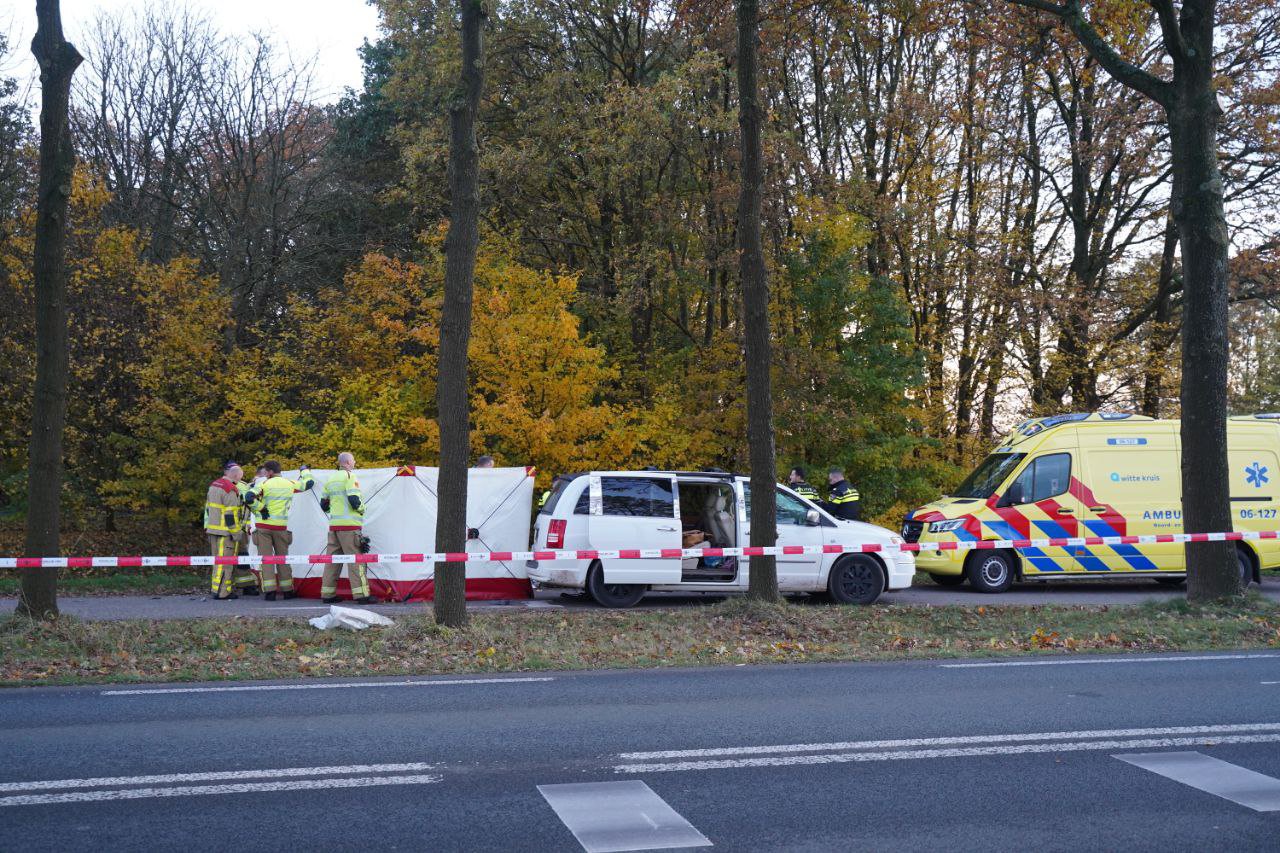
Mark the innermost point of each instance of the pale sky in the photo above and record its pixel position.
(331, 30)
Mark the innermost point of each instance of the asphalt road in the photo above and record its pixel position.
(1112, 593)
(1138, 753)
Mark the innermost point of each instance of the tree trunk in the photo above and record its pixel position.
(755, 311)
(1202, 230)
(1190, 101)
(58, 60)
(455, 320)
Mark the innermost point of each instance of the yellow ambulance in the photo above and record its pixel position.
(1092, 475)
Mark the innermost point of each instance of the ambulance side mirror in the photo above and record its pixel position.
(1013, 496)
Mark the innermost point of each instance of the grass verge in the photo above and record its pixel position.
(69, 651)
(131, 583)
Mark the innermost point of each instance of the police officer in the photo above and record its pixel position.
(800, 487)
(343, 502)
(271, 501)
(845, 502)
(222, 524)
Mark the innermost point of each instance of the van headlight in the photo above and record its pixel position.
(950, 526)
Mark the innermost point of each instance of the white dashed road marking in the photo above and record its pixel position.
(215, 776)
(784, 759)
(1237, 728)
(1214, 776)
(206, 790)
(253, 688)
(617, 816)
(1101, 661)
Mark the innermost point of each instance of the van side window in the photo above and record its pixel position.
(1046, 477)
(632, 496)
(789, 510)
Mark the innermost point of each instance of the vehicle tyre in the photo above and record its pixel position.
(614, 595)
(947, 580)
(1246, 567)
(990, 571)
(1178, 581)
(855, 579)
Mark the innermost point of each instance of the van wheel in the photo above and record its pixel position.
(947, 580)
(615, 595)
(855, 580)
(1245, 562)
(1178, 581)
(990, 571)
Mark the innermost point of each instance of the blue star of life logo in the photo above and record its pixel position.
(1255, 475)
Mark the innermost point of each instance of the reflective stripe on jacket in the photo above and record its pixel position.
(341, 516)
(845, 501)
(805, 491)
(222, 508)
(274, 499)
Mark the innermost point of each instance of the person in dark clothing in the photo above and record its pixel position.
(844, 502)
(800, 487)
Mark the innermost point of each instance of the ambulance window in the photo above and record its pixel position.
(1046, 477)
(988, 476)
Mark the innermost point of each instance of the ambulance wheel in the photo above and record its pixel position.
(990, 571)
(613, 595)
(1178, 581)
(1246, 566)
(856, 579)
(947, 580)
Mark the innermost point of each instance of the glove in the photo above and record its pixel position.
(364, 545)
(249, 497)
(473, 533)
(264, 512)
(324, 504)
(354, 500)
(229, 519)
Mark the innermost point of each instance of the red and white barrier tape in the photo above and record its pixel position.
(629, 554)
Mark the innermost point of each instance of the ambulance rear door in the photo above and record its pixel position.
(1255, 482)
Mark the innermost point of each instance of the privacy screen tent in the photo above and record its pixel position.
(400, 518)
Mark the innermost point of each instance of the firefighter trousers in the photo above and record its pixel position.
(274, 543)
(223, 575)
(344, 542)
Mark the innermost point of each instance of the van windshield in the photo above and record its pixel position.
(988, 476)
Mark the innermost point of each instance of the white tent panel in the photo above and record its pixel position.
(400, 518)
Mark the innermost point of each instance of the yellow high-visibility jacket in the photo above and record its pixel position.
(343, 516)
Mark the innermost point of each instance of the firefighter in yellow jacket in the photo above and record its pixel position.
(344, 504)
(271, 501)
(222, 523)
(246, 582)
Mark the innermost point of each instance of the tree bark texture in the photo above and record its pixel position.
(58, 60)
(755, 310)
(455, 321)
(1202, 230)
(1191, 104)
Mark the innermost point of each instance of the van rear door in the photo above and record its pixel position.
(635, 511)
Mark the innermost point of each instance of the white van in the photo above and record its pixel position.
(612, 510)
